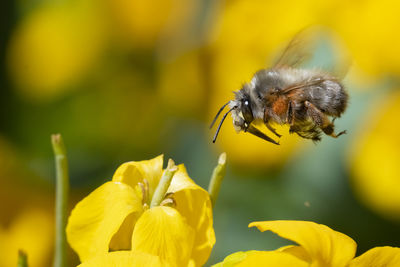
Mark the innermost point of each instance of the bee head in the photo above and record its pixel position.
(242, 113)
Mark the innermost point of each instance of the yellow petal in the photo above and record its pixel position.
(324, 246)
(194, 203)
(163, 232)
(271, 259)
(296, 251)
(123, 259)
(95, 219)
(379, 256)
(262, 258)
(133, 172)
(122, 239)
(182, 181)
(234, 258)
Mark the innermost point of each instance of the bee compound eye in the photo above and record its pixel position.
(246, 103)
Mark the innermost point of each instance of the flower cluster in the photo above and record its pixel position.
(147, 216)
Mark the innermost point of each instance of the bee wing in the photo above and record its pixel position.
(296, 52)
(316, 47)
(297, 86)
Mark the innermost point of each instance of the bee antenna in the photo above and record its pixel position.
(220, 124)
(219, 112)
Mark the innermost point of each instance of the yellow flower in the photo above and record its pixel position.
(317, 245)
(374, 158)
(116, 216)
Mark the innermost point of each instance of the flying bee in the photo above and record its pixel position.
(308, 100)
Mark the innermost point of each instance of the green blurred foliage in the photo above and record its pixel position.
(133, 89)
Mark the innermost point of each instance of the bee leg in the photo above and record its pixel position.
(294, 129)
(290, 114)
(290, 118)
(272, 129)
(329, 130)
(338, 134)
(322, 120)
(313, 135)
(342, 132)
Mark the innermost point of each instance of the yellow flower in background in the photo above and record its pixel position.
(116, 216)
(374, 158)
(142, 23)
(182, 87)
(317, 245)
(32, 232)
(248, 34)
(369, 29)
(26, 213)
(55, 46)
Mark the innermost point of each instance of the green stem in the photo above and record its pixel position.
(62, 188)
(164, 183)
(216, 178)
(22, 259)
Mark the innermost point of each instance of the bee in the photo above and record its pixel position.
(308, 100)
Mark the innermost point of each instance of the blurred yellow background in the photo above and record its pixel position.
(129, 79)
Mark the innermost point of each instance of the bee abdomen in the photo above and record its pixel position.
(329, 97)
